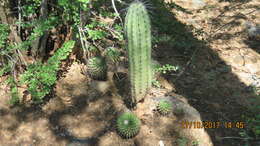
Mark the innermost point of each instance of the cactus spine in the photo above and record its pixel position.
(138, 33)
(97, 68)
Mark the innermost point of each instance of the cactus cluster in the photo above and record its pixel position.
(164, 107)
(128, 125)
(97, 68)
(138, 34)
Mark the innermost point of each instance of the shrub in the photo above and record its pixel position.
(41, 77)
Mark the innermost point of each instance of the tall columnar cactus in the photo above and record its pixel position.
(138, 33)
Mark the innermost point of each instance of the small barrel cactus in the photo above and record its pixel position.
(97, 68)
(164, 107)
(128, 125)
(113, 54)
(138, 34)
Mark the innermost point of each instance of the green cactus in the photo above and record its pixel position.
(97, 68)
(164, 107)
(138, 34)
(128, 125)
(113, 54)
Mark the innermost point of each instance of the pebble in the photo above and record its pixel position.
(197, 4)
(161, 143)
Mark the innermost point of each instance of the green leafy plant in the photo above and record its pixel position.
(154, 66)
(164, 107)
(182, 141)
(96, 34)
(15, 56)
(4, 31)
(156, 83)
(97, 67)
(166, 68)
(96, 30)
(195, 143)
(118, 32)
(138, 34)
(128, 125)
(43, 25)
(39, 27)
(161, 38)
(4, 52)
(13, 90)
(30, 7)
(5, 69)
(41, 77)
(71, 9)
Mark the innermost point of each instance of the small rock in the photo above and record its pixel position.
(198, 4)
(101, 86)
(258, 73)
(161, 143)
(238, 60)
(253, 31)
(246, 78)
(191, 21)
(252, 68)
(165, 83)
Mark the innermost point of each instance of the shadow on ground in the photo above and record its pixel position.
(63, 132)
(207, 82)
(253, 44)
(87, 115)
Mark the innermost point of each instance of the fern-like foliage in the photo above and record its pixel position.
(4, 31)
(41, 77)
(128, 125)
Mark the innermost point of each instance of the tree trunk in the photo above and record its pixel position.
(39, 44)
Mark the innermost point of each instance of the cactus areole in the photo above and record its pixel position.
(138, 35)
